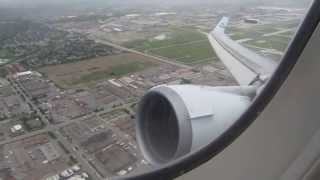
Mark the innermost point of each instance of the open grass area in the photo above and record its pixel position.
(175, 36)
(294, 23)
(288, 33)
(6, 57)
(4, 53)
(237, 33)
(114, 71)
(84, 72)
(280, 46)
(187, 46)
(257, 31)
(187, 54)
(271, 42)
(3, 72)
(268, 36)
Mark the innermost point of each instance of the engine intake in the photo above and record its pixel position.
(173, 121)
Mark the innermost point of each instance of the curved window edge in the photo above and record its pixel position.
(288, 62)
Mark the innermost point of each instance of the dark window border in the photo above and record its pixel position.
(288, 62)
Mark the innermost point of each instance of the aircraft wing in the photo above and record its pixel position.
(245, 65)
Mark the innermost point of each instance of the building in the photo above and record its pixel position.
(50, 152)
(16, 128)
(251, 21)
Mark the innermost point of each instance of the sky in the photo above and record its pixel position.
(99, 2)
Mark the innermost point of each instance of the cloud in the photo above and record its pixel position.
(33, 3)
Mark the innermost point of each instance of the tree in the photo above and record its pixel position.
(185, 81)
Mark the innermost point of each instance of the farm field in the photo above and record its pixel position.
(84, 72)
(187, 46)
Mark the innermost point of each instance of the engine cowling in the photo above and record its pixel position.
(173, 121)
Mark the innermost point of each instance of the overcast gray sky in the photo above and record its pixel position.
(99, 2)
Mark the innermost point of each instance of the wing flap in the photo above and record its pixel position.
(245, 65)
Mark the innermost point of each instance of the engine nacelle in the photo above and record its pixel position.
(173, 121)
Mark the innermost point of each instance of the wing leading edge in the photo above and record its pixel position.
(246, 66)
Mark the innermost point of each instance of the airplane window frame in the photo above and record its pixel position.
(288, 62)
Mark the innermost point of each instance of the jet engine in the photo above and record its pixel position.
(173, 121)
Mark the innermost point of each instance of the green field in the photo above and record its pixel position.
(260, 37)
(289, 33)
(3, 72)
(279, 43)
(87, 72)
(175, 36)
(114, 72)
(257, 31)
(290, 24)
(4, 53)
(243, 33)
(187, 46)
(253, 33)
(188, 54)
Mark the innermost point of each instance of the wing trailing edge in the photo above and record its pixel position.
(246, 66)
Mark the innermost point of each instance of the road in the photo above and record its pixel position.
(179, 44)
(278, 32)
(79, 154)
(53, 128)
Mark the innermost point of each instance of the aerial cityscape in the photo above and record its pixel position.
(70, 81)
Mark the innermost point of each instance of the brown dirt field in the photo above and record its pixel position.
(69, 75)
